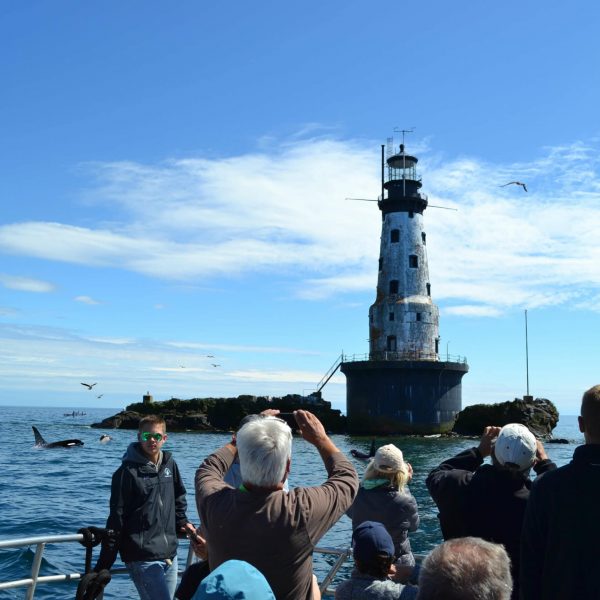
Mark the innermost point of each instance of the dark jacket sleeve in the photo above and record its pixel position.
(180, 501)
(544, 466)
(119, 490)
(453, 473)
(412, 514)
(533, 545)
(448, 484)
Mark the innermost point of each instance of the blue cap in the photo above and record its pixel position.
(235, 579)
(371, 538)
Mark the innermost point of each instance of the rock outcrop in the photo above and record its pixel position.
(222, 414)
(539, 415)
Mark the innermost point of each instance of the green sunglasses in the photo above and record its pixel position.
(155, 436)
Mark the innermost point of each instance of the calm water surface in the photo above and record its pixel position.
(58, 491)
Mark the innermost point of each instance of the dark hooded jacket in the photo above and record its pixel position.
(560, 557)
(485, 501)
(147, 507)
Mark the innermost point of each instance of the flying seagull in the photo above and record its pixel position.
(515, 183)
(89, 386)
(209, 356)
(213, 364)
(100, 396)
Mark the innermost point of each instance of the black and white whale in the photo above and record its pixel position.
(40, 442)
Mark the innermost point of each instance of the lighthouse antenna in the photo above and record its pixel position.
(382, 171)
(404, 131)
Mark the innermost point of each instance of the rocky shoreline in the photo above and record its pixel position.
(218, 415)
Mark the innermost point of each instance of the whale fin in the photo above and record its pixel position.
(39, 440)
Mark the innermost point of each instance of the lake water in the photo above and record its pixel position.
(51, 492)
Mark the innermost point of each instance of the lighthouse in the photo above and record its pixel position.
(402, 386)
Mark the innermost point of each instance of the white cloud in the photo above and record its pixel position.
(283, 209)
(472, 311)
(86, 300)
(26, 284)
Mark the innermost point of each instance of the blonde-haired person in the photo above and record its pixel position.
(384, 496)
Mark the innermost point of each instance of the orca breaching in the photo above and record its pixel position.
(40, 442)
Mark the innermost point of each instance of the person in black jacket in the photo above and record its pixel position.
(489, 501)
(559, 552)
(147, 512)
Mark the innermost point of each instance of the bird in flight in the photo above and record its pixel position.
(515, 183)
(213, 364)
(89, 386)
(209, 356)
(100, 396)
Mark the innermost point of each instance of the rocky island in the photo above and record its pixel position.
(219, 415)
(539, 415)
(222, 414)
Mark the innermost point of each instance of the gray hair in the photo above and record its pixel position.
(466, 568)
(264, 446)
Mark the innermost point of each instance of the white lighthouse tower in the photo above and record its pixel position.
(403, 387)
(404, 322)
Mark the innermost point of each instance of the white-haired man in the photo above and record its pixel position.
(259, 522)
(559, 554)
(489, 501)
(467, 568)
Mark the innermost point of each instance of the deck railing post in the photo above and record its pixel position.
(35, 569)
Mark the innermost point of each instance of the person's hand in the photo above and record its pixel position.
(199, 546)
(270, 412)
(402, 573)
(409, 469)
(187, 530)
(311, 429)
(490, 433)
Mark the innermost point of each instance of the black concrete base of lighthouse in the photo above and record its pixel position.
(389, 397)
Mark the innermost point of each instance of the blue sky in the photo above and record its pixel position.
(173, 181)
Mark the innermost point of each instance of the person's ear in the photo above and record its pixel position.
(165, 436)
(581, 424)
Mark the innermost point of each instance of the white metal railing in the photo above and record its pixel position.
(406, 355)
(40, 542)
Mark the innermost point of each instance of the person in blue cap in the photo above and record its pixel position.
(234, 579)
(374, 555)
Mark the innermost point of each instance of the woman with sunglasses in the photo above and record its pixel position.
(147, 513)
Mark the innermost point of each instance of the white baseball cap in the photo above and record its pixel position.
(389, 458)
(515, 446)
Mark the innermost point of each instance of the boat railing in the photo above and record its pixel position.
(40, 543)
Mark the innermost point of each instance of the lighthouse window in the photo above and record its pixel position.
(395, 236)
(413, 261)
(424, 238)
(380, 263)
(392, 316)
(418, 316)
(391, 343)
(429, 289)
(394, 286)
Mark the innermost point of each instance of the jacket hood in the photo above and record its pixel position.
(134, 454)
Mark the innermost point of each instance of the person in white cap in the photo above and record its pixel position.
(489, 500)
(559, 551)
(384, 496)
